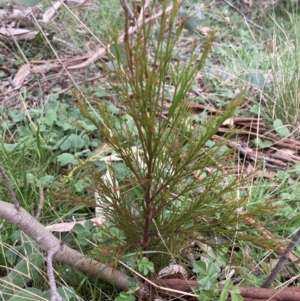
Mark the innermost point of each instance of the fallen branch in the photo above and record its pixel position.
(47, 241)
(54, 248)
(248, 293)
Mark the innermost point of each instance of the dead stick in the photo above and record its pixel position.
(282, 261)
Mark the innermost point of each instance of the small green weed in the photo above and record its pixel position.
(207, 276)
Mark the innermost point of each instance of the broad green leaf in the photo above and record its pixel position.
(199, 267)
(18, 117)
(228, 283)
(86, 124)
(266, 267)
(144, 266)
(78, 228)
(285, 196)
(262, 143)
(44, 181)
(74, 115)
(191, 23)
(53, 97)
(65, 125)
(204, 281)
(30, 177)
(73, 141)
(297, 169)
(235, 297)
(113, 109)
(280, 128)
(235, 290)
(27, 294)
(50, 117)
(10, 147)
(80, 185)
(223, 295)
(88, 225)
(24, 271)
(27, 3)
(213, 269)
(100, 92)
(132, 283)
(255, 109)
(83, 237)
(65, 159)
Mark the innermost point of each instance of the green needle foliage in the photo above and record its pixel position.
(162, 204)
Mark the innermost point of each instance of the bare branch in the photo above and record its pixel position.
(54, 294)
(47, 241)
(282, 261)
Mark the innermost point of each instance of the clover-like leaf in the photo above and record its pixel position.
(280, 128)
(65, 159)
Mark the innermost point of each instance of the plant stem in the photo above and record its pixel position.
(148, 214)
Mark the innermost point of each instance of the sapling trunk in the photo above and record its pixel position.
(148, 219)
